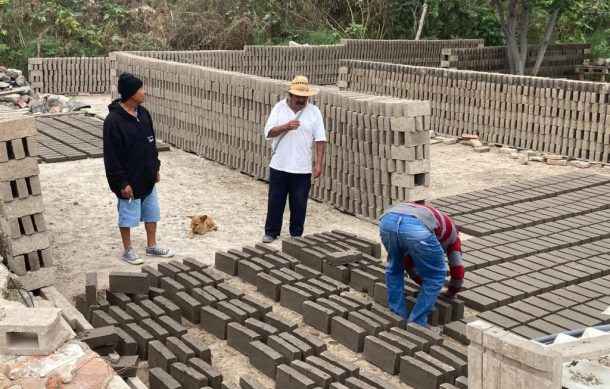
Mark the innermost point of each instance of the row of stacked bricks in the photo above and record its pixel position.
(319, 63)
(140, 317)
(559, 116)
(560, 60)
(313, 275)
(377, 151)
(24, 241)
(69, 75)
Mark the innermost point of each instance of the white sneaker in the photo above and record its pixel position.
(157, 251)
(131, 257)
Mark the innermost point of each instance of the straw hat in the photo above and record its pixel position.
(300, 87)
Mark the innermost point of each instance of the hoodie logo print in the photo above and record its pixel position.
(151, 139)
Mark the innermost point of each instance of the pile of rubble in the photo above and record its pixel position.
(16, 93)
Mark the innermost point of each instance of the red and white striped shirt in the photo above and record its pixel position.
(447, 234)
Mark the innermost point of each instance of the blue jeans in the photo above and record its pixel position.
(145, 209)
(284, 185)
(402, 235)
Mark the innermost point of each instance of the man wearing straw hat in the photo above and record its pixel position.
(294, 125)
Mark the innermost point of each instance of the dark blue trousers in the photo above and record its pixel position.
(284, 185)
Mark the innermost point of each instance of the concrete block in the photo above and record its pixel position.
(425, 333)
(239, 337)
(126, 345)
(262, 306)
(419, 374)
(99, 337)
(280, 322)
(182, 352)
(287, 377)
(286, 349)
(136, 312)
(188, 377)
(352, 369)
(126, 366)
(382, 354)
(230, 291)
(151, 308)
(317, 316)
(160, 356)
(250, 382)
(100, 318)
(160, 379)
(305, 348)
(215, 322)
(448, 371)
(265, 358)
(155, 329)
(356, 383)
(320, 377)
(171, 309)
(226, 262)
(121, 317)
(141, 336)
(201, 349)
(375, 381)
(91, 288)
(457, 362)
(371, 327)
(293, 297)
(76, 320)
(213, 375)
(172, 287)
(268, 286)
(421, 343)
(347, 333)
(263, 329)
(316, 343)
(153, 275)
(189, 307)
(386, 313)
(131, 283)
(119, 299)
(32, 331)
(236, 313)
(337, 373)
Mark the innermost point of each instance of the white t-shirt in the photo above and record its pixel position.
(293, 149)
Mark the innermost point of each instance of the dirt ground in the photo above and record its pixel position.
(81, 213)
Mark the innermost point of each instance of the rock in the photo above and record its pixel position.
(531, 153)
(536, 158)
(557, 162)
(449, 141)
(599, 62)
(2, 69)
(580, 164)
(470, 136)
(481, 149)
(14, 73)
(514, 155)
(12, 98)
(20, 81)
(4, 85)
(434, 141)
(523, 159)
(507, 150)
(56, 109)
(37, 106)
(552, 156)
(21, 103)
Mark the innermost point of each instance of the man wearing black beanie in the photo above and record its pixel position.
(132, 166)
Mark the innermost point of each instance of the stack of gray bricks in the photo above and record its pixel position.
(293, 277)
(377, 151)
(555, 116)
(69, 75)
(560, 60)
(24, 240)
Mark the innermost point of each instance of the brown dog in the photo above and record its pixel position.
(201, 224)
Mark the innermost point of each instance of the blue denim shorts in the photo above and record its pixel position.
(139, 210)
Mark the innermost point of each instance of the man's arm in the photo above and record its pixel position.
(456, 267)
(317, 170)
(112, 158)
(282, 128)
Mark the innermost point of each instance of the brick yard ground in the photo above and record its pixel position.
(81, 213)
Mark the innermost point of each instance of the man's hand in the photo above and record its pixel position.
(158, 176)
(127, 192)
(317, 171)
(292, 125)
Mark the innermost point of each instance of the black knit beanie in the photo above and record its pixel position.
(128, 85)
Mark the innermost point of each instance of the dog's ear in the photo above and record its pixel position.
(190, 217)
(204, 217)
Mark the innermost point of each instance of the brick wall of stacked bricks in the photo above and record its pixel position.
(377, 151)
(564, 117)
(559, 60)
(319, 63)
(141, 313)
(69, 75)
(24, 241)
